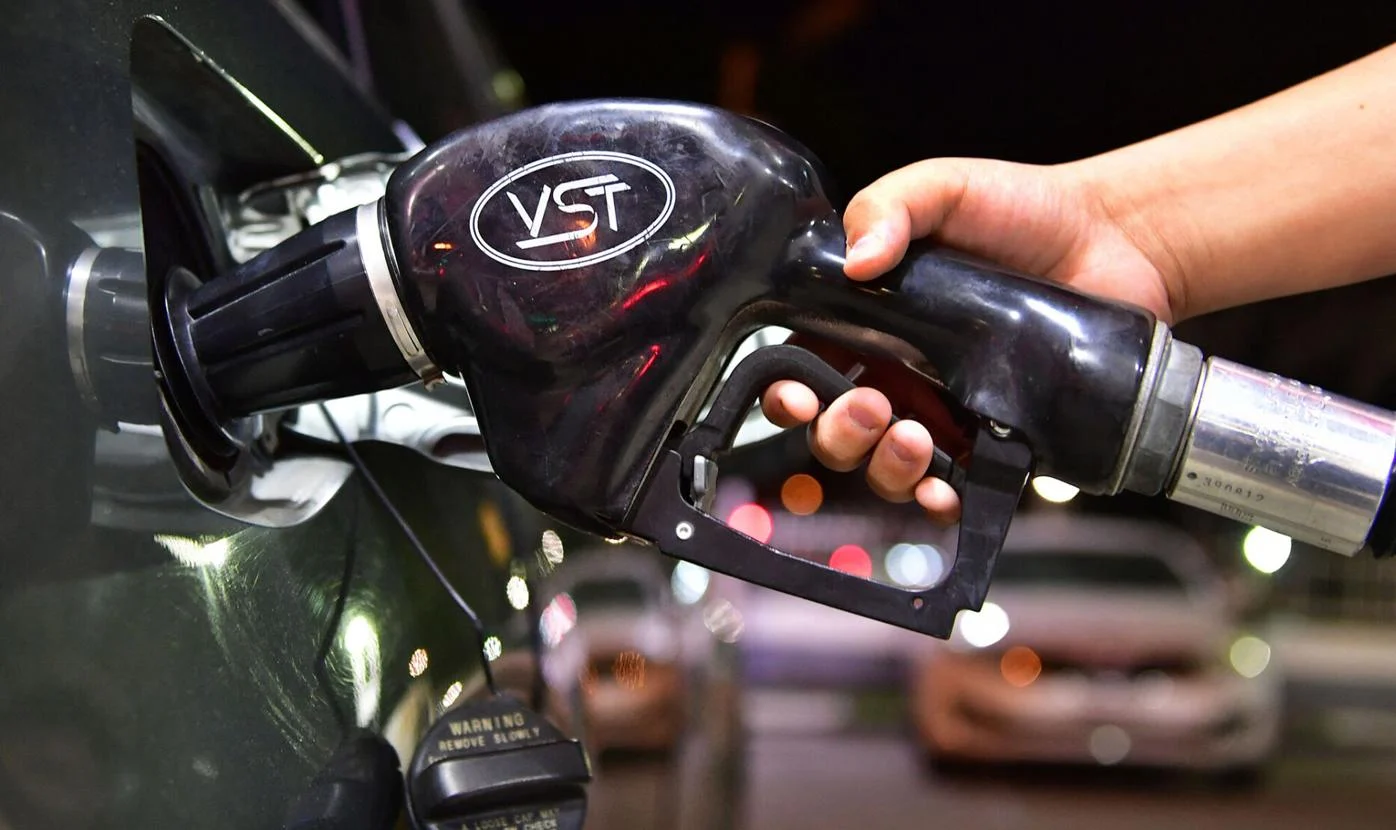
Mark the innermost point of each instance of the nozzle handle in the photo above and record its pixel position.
(1063, 368)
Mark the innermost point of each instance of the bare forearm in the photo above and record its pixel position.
(1293, 193)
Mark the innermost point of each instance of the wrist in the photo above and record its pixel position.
(1135, 199)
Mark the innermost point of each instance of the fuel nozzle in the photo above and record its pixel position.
(314, 318)
(588, 268)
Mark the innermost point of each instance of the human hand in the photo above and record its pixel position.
(1054, 222)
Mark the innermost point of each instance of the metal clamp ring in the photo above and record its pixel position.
(375, 261)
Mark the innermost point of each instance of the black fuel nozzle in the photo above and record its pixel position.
(588, 268)
(308, 320)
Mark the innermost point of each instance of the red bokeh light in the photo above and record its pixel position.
(851, 559)
(753, 520)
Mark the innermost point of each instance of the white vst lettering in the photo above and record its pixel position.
(607, 186)
(535, 223)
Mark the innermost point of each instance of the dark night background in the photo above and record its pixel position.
(870, 86)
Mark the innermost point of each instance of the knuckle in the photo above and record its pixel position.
(866, 207)
(889, 478)
(895, 492)
(831, 450)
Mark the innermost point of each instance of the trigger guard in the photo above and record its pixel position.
(760, 369)
(716, 432)
(991, 492)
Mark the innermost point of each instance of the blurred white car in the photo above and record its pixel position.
(616, 635)
(1103, 641)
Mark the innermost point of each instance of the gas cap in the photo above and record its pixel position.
(495, 763)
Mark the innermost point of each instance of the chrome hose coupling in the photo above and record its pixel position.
(1271, 451)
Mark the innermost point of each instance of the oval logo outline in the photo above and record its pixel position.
(670, 196)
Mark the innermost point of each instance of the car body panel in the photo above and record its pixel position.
(161, 665)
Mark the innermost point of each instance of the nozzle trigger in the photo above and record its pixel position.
(767, 365)
(673, 510)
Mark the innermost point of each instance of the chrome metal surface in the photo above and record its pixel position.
(704, 478)
(1167, 408)
(1271, 451)
(439, 425)
(267, 214)
(78, 277)
(375, 261)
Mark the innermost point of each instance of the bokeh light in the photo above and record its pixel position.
(984, 627)
(1266, 550)
(801, 494)
(851, 559)
(496, 533)
(689, 582)
(452, 692)
(552, 547)
(724, 621)
(418, 662)
(1054, 490)
(1249, 656)
(1020, 666)
(914, 566)
(516, 591)
(1109, 744)
(752, 520)
(558, 619)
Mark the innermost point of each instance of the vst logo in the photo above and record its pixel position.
(572, 210)
(607, 185)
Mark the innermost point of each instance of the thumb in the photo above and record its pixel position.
(883, 218)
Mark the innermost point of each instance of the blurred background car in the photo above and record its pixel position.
(1104, 640)
(615, 632)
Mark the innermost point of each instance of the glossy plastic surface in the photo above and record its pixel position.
(587, 266)
(491, 754)
(1060, 367)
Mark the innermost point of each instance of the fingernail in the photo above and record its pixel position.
(867, 245)
(864, 418)
(902, 451)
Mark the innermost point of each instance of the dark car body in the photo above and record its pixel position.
(162, 664)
